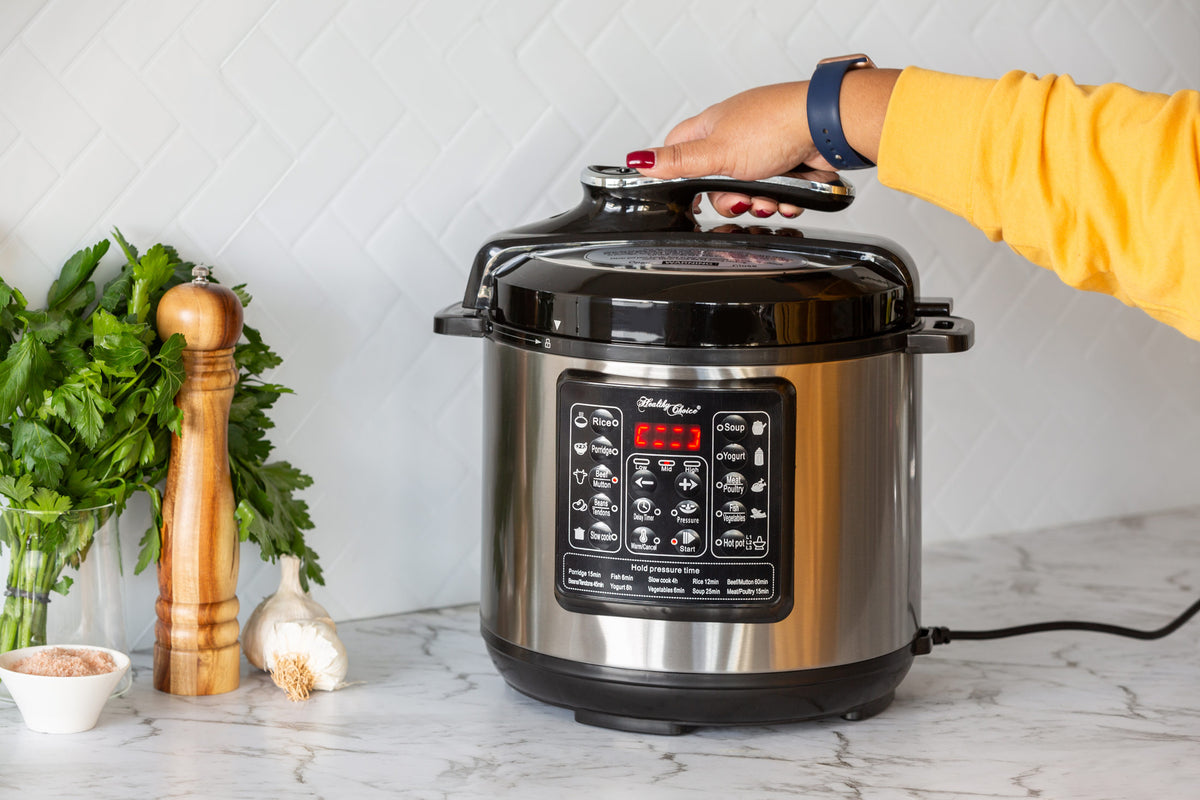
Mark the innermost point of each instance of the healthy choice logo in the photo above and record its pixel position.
(666, 406)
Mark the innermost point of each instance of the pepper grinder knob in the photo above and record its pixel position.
(196, 649)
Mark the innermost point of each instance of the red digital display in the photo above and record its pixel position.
(658, 436)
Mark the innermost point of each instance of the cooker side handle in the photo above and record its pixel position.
(938, 331)
(454, 320)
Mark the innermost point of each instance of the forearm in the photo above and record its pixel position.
(1100, 184)
(863, 108)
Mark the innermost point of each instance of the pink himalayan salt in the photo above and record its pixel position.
(63, 662)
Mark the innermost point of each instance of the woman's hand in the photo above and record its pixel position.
(764, 132)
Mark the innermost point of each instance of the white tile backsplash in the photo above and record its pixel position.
(345, 158)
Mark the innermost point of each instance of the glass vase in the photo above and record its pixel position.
(63, 579)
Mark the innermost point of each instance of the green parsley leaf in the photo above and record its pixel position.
(18, 490)
(75, 273)
(42, 453)
(22, 373)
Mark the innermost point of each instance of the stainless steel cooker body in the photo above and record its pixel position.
(854, 509)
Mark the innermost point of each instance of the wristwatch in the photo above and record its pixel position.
(824, 114)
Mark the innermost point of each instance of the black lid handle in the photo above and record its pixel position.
(820, 191)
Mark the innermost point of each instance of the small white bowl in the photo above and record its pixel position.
(60, 705)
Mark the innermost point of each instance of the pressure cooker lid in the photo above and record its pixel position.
(705, 290)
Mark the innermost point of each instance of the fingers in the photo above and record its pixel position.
(690, 159)
(730, 204)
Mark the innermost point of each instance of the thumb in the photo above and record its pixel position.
(691, 159)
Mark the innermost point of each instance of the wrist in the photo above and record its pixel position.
(824, 110)
(845, 106)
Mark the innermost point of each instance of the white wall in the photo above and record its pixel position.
(345, 158)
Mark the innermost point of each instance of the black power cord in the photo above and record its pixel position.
(927, 637)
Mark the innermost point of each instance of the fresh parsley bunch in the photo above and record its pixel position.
(87, 411)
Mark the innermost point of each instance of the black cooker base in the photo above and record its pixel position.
(674, 703)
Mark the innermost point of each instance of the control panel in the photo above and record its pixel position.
(673, 500)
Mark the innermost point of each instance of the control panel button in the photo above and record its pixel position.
(602, 449)
(602, 477)
(687, 483)
(601, 537)
(642, 539)
(687, 512)
(644, 510)
(730, 543)
(733, 484)
(602, 506)
(733, 513)
(603, 421)
(733, 456)
(643, 481)
(733, 427)
(687, 541)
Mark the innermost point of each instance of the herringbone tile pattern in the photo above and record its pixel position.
(346, 157)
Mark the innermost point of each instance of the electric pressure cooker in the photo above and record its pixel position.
(701, 457)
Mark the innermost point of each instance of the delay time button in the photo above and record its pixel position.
(645, 508)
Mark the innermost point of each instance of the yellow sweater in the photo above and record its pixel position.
(1100, 184)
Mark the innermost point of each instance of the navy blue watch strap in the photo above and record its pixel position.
(824, 114)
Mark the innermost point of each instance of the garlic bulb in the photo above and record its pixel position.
(303, 655)
(290, 602)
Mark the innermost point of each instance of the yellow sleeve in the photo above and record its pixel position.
(1099, 183)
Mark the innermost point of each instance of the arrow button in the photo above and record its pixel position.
(687, 483)
(644, 481)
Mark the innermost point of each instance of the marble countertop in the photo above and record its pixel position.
(1053, 715)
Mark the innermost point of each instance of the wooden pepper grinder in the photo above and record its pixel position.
(196, 648)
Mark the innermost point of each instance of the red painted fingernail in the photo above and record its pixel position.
(789, 214)
(740, 207)
(640, 159)
(761, 213)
